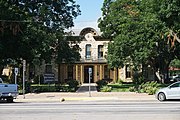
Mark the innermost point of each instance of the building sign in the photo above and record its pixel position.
(49, 77)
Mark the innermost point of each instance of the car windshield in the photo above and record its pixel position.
(175, 85)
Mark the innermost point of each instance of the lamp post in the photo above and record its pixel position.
(158, 60)
(160, 67)
(24, 69)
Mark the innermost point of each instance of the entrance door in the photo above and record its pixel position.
(86, 74)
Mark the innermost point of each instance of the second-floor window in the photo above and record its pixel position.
(88, 51)
(100, 51)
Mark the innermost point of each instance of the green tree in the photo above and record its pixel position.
(31, 29)
(140, 31)
(175, 63)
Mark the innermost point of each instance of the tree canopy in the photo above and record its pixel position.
(32, 29)
(141, 32)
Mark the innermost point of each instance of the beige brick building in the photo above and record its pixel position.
(93, 55)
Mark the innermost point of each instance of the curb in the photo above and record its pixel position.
(36, 100)
(88, 98)
(61, 97)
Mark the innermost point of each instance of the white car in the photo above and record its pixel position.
(170, 92)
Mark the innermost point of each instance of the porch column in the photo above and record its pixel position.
(76, 72)
(66, 72)
(115, 73)
(95, 73)
(100, 74)
(119, 75)
(82, 73)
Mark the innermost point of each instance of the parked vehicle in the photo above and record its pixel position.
(170, 92)
(8, 92)
(175, 78)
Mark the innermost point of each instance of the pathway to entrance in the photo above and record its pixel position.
(85, 87)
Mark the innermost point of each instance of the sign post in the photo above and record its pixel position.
(24, 69)
(16, 73)
(90, 72)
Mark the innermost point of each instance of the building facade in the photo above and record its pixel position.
(93, 56)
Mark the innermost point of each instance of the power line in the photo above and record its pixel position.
(85, 21)
(20, 21)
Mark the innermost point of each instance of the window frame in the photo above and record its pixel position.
(88, 51)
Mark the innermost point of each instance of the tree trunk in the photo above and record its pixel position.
(1, 69)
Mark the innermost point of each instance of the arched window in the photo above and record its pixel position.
(88, 51)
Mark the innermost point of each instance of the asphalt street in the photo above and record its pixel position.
(91, 110)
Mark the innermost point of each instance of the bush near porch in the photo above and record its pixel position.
(149, 87)
(70, 86)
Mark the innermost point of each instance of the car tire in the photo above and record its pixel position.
(161, 97)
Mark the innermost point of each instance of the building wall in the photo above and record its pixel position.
(89, 39)
(79, 69)
(99, 66)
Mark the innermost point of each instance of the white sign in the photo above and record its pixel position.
(49, 77)
(16, 71)
(90, 70)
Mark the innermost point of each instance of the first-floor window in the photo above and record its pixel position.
(70, 71)
(128, 71)
(106, 71)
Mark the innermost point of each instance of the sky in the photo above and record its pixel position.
(90, 13)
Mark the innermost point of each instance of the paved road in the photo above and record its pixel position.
(91, 110)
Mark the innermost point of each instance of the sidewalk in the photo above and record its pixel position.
(95, 96)
(83, 94)
(86, 87)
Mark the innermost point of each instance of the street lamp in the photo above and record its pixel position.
(24, 69)
(158, 71)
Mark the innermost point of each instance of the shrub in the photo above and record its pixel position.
(43, 88)
(101, 83)
(138, 78)
(73, 85)
(132, 89)
(108, 80)
(106, 89)
(148, 87)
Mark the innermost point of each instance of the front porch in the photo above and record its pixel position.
(100, 71)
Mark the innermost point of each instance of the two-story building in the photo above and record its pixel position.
(93, 55)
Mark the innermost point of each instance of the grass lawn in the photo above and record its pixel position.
(120, 87)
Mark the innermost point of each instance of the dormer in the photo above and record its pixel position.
(88, 30)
